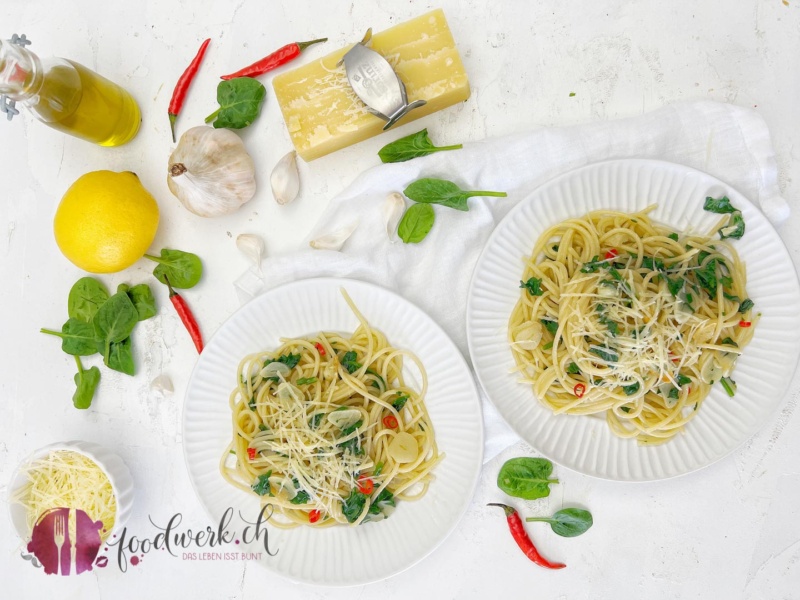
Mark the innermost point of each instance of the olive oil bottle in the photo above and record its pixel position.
(68, 97)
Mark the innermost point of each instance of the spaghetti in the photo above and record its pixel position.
(623, 316)
(327, 430)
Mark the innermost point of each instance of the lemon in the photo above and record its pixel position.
(106, 221)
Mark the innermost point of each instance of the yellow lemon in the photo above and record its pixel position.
(106, 221)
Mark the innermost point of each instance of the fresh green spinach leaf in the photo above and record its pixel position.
(261, 485)
(114, 321)
(673, 236)
(573, 369)
(412, 146)
(142, 297)
(302, 496)
(77, 337)
(567, 522)
(86, 381)
(86, 296)
(400, 401)
(533, 285)
(120, 357)
(183, 269)
(429, 190)
(239, 101)
(631, 389)
(720, 206)
(349, 362)
(416, 223)
(381, 501)
(290, 360)
(527, 478)
(353, 505)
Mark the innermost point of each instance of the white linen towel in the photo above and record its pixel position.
(729, 142)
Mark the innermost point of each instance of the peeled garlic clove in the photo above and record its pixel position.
(285, 179)
(162, 385)
(393, 208)
(210, 172)
(404, 448)
(275, 369)
(334, 240)
(529, 336)
(252, 246)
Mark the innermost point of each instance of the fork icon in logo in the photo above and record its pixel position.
(58, 537)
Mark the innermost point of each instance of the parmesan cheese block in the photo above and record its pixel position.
(322, 112)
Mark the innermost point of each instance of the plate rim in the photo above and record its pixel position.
(471, 383)
(529, 198)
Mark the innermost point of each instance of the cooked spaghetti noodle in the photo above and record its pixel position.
(623, 316)
(327, 430)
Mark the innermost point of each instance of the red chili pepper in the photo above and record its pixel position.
(745, 323)
(320, 348)
(314, 516)
(271, 61)
(523, 541)
(182, 87)
(390, 421)
(251, 453)
(579, 390)
(611, 254)
(365, 486)
(185, 313)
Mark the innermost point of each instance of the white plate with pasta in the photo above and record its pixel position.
(349, 414)
(619, 339)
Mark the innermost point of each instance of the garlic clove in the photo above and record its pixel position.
(162, 386)
(210, 172)
(252, 246)
(285, 179)
(393, 208)
(334, 240)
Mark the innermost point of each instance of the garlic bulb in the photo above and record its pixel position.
(393, 208)
(334, 240)
(285, 179)
(210, 172)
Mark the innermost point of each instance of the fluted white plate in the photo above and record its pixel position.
(585, 443)
(339, 556)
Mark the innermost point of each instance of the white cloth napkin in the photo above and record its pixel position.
(729, 142)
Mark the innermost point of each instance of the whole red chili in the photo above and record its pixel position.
(182, 87)
(523, 541)
(185, 313)
(271, 61)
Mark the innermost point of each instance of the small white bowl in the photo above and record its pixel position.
(111, 464)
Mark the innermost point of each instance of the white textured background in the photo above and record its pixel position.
(730, 531)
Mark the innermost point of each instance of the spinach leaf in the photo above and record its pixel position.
(734, 229)
(729, 342)
(673, 393)
(550, 325)
(120, 357)
(353, 444)
(440, 191)
(625, 409)
(400, 401)
(378, 469)
(673, 236)
(653, 264)
(143, 300)
(353, 505)
(239, 101)
(533, 285)
(720, 206)
(707, 277)
(746, 305)
(674, 285)
(527, 478)
(631, 389)
(593, 265)
(77, 337)
(683, 380)
(416, 223)
(573, 369)
(306, 380)
(302, 496)
(114, 321)
(315, 421)
(290, 360)
(85, 297)
(86, 381)
(567, 522)
(381, 501)
(378, 382)
(183, 269)
(606, 354)
(412, 146)
(349, 362)
(261, 485)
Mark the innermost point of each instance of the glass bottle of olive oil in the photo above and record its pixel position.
(69, 97)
